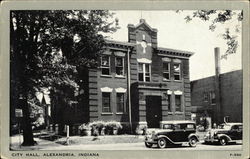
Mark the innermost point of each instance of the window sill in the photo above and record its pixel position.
(179, 112)
(166, 80)
(170, 113)
(120, 113)
(106, 76)
(120, 76)
(178, 81)
(106, 113)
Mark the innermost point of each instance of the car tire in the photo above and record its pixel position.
(223, 141)
(162, 143)
(192, 142)
(148, 145)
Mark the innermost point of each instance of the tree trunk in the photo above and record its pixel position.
(28, 139)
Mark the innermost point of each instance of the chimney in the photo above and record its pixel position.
(217, 61)
(142, 21)
(217, 110)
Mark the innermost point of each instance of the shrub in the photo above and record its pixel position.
(97, 126)
(83, 128)
(112, 125)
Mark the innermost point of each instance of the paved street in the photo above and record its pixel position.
(140, 146)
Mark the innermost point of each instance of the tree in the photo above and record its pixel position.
(219, 17)
(47, 48)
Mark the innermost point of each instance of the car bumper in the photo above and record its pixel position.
(210, 139)
(150, 140)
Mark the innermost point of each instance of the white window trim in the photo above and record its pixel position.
(106, 89)
(119, 54)
(122, 66)
(178, 92)
(120, 90)
(169, 92)
(144, 60)
(165, 59)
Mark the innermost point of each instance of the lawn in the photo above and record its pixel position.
(109, 139)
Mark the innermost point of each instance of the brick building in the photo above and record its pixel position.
(137, 82)
(218, 97)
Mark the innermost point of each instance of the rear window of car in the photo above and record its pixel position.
(190, 126)
(167, 126)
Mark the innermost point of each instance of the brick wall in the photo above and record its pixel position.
(231, 96)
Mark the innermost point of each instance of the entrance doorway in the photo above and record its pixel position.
(153, 111)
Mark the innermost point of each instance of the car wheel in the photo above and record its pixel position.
(223, 141)
(162, 143)
(192, 142)
(149, 145)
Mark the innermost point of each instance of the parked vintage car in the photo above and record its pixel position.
(172, 132)
(227, 132)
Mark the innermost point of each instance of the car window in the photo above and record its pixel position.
(167, 126)
(177, 127)
(190, 126)
(240, 127)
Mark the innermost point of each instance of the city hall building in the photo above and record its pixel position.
(137, 82)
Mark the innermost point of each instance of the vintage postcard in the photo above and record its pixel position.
(139, 79)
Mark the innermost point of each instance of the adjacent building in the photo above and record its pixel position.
(218, 98)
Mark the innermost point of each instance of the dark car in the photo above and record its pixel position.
(172, 132)
(227, 132)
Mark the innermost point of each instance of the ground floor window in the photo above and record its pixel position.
(106, 102)
(120, 102)
(169, 103)
(177, 103)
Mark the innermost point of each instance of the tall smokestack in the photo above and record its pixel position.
(217, 111)
(217, 61)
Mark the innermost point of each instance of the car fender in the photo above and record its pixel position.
(164, 136)
(193, 135)
(224, 135)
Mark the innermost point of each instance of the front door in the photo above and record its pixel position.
(153, 111)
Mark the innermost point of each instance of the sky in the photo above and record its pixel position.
(175, 33)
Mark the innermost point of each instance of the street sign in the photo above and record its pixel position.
(19, 113)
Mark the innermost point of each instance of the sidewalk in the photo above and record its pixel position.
(74, 140)
(16, 141)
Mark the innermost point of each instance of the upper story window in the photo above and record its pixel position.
(144, 72)
(105, 64)
(205, 96)
(212, 97)
(166, 71)
(177, 71)
(119, 66)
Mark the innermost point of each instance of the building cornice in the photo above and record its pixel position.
(173, 53)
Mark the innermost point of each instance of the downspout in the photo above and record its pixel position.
(129, 93)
